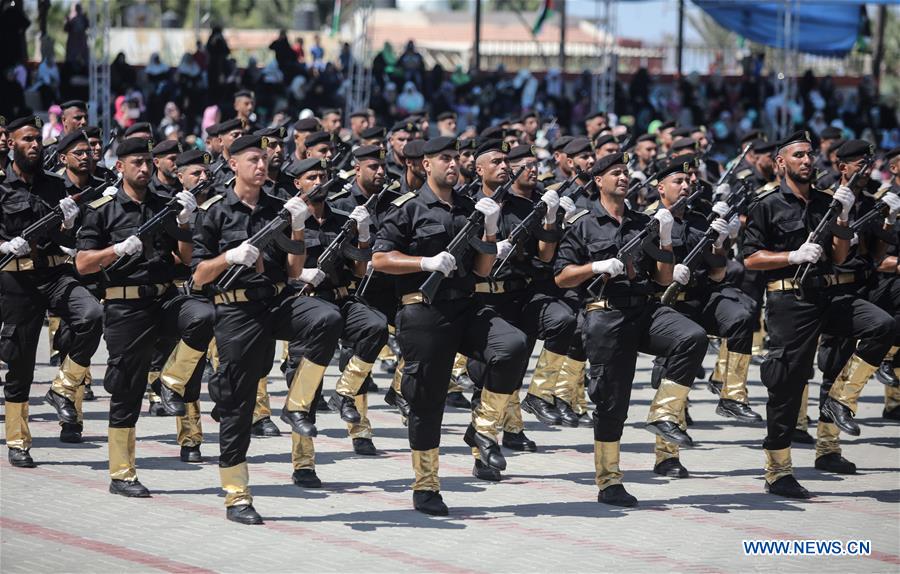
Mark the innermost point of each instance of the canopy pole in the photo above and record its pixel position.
(680, 47)
(476, 49)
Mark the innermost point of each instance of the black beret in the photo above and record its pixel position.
(232, 124)
(595, 115)
(646, 138)
(92, 131)
(373, 151)
(166, 147)
(681, 164)
(404, 126)
(492, 145)
(374, 132)
(684, 143)
(798, 136)
(18, 123)
(752, 135)
(439, 144)
(299, 167)
(317, 138)
(682, 132)
(521, 151)
(892, 153)
(138, 127)
(607, 161)
(561, 142)
(578, 145)
(248, 141)
(494, 132)
(604, 139)
(274, 132)
(762, 146)
(470, 144)
(327, 111)
(414, 149)
(835, 144)
(667, 125)
(831, 133)
(71, 139)
(446, 116)
(73, 104)
(307, 125)
(852, 149)
(133, 146)
(193, 157)
(244, 94)
(362, 113)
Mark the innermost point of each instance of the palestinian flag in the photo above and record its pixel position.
(336, 18)
(544, 14)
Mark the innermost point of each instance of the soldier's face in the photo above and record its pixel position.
(370, 173)
(416, 167)
(165, 164)
(135, 170)
(583, 161)
(766, 165)
(443, 168)
(72, 119)
(674, 187)
(701, 139)
(467, 163)
(322, 150)
(528, 178)
(96, 149)
(214, 144)
(250, 166)
(594, 125)
(447, 127)
(331, 122)
(606, 149)
(191, 175)
(665, 136)
(79, 158)
(308, 182)
(358, 124)
(894, 166)
(796, 161)
(493, 168)
(849, 168)
(613, 182)
(646, 151)
(275, 153)
(243, 106)
(27, 147)
(229, 137)
(398, 142)
(530, 126)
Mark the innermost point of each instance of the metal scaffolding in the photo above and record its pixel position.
(99, 107)
(359, 90)
(603, 87)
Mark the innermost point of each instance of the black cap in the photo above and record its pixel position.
(604, 139)
(18, 123)
(317, 138)
(831, 133)
(798, 136)
(307, 125)
(404, 126)
(521, 151)
(232, 124)
(646, 138)
(470, 144)
(762, 147)
(682, 164)
(892, 153)
(374, 132)
(248, 141)
(299, 167)
(607, 161)
(133, 146)
(166, 147)
(835, 145)
(492, 145)
(373, 152)
(437, 145)
(560, 143)
(578, 145)
(92, 131)
(244, 94)
(494, 132)
(138, 127)
(667, 125)
(73, 104)
(752, 135)
(446, 116)
(274, 132)
(193, 157)
(414, 149)
(71, 139)
(361, 113)
(853, 149)
(682, 132)
(683, 144)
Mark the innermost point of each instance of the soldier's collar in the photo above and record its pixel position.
(599, 211)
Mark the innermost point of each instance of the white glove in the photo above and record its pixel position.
(722, 192)
(16, 246)
(312, 276)
(111, 190)
(131, 245)
(892, 200)
(244, 254)
(363, 220)
(721, 227)
(551, 198)
(720, 208)
(845, 197)
(188, 206)
(503, 248)
(69, 211)
(567, 205)
(443, 262)
(854, 240)
(734, 226)
(681, 274)
(491, 211)
(807, 253)
(665, 226)
(611, 267)
(299, 212)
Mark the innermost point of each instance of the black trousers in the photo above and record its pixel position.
(430, 336)
(131, 330)
(25, 298)
(794, 327)
(538, 315)
(885, 293)
(614, 337)
(725, 312)
(245, 336)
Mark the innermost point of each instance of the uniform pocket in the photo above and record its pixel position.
(116, 379)
(9, 346)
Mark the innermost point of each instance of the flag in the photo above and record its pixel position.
(336, 18)
(544, 14)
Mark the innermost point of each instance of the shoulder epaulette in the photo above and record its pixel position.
(743, 174)
(577, 215)
(554, 186)
(826, 191)
(652, 208)
(206, 204)
(545, 176)
(61, 171)
(766, 190)
(339, 194)
(347, 174)
(55, 174)
(100, 201)
(230, 180)
(395, 185)
(403, 198)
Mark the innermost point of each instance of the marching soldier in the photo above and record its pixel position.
(605, 144)
(580, 155)
(359, 122)
(226, 132)
(165, 177)
(411, 244)
(140, 130)
(400, 134)
(319, 145)
(244, 109)
(38, 278)
(141, 303)
(373, 136)
(414, 177)
(446, 124)
(74, 117)
(96, 141)
(467, 149)
(627, 319)
(889, 372)
(777, 241)
(302, 128)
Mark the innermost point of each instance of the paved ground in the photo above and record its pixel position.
(543, 516)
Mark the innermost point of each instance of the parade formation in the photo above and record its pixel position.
(445, 259)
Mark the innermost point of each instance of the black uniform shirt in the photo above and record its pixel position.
(112, 219)
(318, 236)
(524, 263)
(595, 236)
(356, 197)
(164, 189)
(422, 225)
(861, 256)
(226, 223)
(23, 204)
